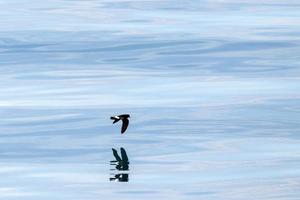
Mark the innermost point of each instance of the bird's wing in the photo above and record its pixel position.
(116, 155)
(115, 119)
(124, 125)
(124, 155)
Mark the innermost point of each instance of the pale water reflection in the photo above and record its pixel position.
(212, 88)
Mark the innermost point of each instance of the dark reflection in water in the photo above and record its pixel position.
(121, 166)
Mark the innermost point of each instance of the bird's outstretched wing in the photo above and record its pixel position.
(116, 155)
(125, 123)
(115, 119)
(124, 155)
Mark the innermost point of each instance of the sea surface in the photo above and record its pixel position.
(212, 87)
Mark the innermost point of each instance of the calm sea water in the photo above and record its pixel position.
(212, 88)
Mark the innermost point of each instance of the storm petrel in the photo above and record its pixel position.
(124, 119)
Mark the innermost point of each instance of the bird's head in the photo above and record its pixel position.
(125, 115)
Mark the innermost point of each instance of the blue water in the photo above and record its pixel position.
(212, 88)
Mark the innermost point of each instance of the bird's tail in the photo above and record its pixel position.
(115, 119)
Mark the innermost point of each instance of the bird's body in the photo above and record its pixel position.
(124, 119)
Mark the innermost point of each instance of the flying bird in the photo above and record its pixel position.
(121, 164)
(124, 119)
(121, 160)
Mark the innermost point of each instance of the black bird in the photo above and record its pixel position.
(124, 119)
(121, 164)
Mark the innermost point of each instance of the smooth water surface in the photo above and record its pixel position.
(212, 88)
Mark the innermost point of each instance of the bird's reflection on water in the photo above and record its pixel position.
(120, 172)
